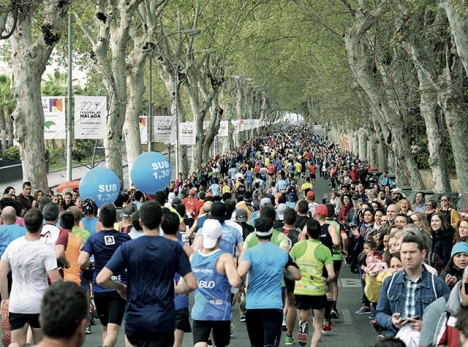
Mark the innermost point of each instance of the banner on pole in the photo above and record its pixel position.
(223, 128)
(187, 135)
(90, 117)
(143, 129)
(164, 129)
(54, 117)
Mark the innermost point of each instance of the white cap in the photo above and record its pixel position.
(280, 210)
(212, 230)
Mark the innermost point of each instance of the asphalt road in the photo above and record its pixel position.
(351, 330)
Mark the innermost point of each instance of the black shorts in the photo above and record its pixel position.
(307, 302)
(110, 307)
(290, 284)
(312, 175)
(150, 339)
(19, 320)
(182, 320)
(271, 174)
(336, 268)
(221, 331)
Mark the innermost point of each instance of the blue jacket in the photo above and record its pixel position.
(393, 297)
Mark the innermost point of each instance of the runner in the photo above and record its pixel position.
(31, 262)
(265, 264)
(216, 273)
(312, 257)
(102, 245)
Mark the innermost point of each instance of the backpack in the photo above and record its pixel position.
(292, 235)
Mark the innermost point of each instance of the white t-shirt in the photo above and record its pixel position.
(29, 261)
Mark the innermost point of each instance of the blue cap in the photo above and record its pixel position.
(460, 247)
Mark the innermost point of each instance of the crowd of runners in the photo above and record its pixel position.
(247, 230)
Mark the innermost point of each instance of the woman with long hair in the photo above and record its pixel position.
(419, 219)
(442, 234)
(461, 231)
(429, 209)
(346, 206)
(447, 208)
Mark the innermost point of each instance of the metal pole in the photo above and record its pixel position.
(176, 102)
(150, 107)
(70, 99)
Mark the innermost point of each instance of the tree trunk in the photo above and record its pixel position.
(459, 31)
(455, 117)
(3, 131)
(29, 60)
(131, 125)
(362, 144)
(10, 129)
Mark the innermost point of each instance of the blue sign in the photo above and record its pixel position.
(151, 172)
(101, 184)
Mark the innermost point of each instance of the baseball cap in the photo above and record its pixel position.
(176, 201)
(193, 191)
(265, 201)
(310, 194)
(241, 215)
(356, 196)
(321, 210)
(256, 194)
(50, 211)
(212, 230)
(218, 211)
(460, 247)
(280, 211)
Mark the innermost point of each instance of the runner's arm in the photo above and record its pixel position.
(231, 271)
(291, 270)
(189, 284)
(61, 257)
(334, 236)
(83, 260)
(243, 268)
(331, 272)
(54, 276)
(4, 269)
(104, 279)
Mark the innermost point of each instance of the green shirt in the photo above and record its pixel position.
(84, 234)
(311, 256)
(277, 238)
(336, 253)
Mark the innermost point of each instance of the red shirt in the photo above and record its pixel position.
(312, 169)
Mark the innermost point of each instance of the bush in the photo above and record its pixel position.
(56, 155)
(12, 153)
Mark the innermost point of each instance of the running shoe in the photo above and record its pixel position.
(327, 327)
(88, 329)
(334, 314)
(302, 335)
(364, 310)
(289, 340)
(242, 317)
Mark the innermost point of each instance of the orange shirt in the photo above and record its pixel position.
(75, 243)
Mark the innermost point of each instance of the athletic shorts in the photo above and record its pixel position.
(307, 302)
(110, 307)
(336, 268)
(182, 320)
(221, 332)
(150, 339)
(290, 284)
(19, 320)
(312, 175)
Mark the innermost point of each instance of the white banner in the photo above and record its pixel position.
(187, 135)
(257, 123)
(143, 130)
(90, 117)
(164, 129)
(54, 117)
(248, 124)
(223, 128)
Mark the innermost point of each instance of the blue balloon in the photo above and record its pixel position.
(151, 172)
(101, 184)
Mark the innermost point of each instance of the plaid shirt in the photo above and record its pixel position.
(410, 308)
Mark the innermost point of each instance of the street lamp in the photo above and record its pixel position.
(189, 32)
(175, 69)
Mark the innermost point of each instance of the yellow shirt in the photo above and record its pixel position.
(374, 284)
(267, 161)
(307, 185)
(298, 167)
